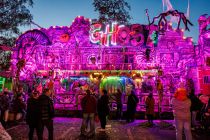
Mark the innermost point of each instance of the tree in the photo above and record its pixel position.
(13, 14)
(112, 10)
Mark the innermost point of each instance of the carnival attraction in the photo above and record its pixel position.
(91, 55)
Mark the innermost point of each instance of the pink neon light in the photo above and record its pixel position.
(104, 38)
(114, 35)
(95, 33)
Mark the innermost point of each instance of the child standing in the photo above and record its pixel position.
(150, 102)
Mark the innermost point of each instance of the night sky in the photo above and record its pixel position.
(48, 13)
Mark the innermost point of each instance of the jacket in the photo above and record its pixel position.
(32, 112)
(196, 104)
(46, 108)
(150, 102)
(119, 98)
(103, 105)
(4, 102)
(19, 106)
(181, 108)
(132, 101)
(88, 104)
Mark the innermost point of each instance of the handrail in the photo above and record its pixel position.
(141, 104)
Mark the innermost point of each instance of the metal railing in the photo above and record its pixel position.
(72, 101)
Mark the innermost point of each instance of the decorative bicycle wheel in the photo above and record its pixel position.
(32, 38)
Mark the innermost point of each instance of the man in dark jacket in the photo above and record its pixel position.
(88, 104)
(103, 108)
(32, 113)
(131, 106)
(46, 113)
(195, 107)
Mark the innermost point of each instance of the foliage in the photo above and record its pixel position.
(5, 57)
(112, 10)
(13, 14)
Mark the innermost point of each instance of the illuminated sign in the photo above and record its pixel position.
(105, 38)
(115, 34)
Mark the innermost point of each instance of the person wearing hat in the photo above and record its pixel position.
(181, 109)
(32, 114)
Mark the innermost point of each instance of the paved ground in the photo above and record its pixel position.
(69, 129)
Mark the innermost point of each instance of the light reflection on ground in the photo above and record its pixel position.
(69, 129)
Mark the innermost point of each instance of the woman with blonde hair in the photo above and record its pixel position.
(181, 110)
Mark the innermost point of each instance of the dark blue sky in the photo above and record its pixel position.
(48, 13)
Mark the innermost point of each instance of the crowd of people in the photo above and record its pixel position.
(187, 109)
(15, 104)
(38, 110)
(99, 108)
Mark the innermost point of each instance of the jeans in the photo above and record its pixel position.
(180, 124)
(130, 114)
(119, 111)
(102, 118)
(194, 114)
(49, 125)
(88, 118)
(150, 118)
(31, 131)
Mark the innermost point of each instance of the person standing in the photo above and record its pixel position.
(119, 104)
(160, 94)
(88, 104)
(196, 106)
(4, 107)
(50, 86)
(78, 92)
(19, 107)
(131, 106)
(181, 110)
(150, 102)
(103, 108)
(32, 114)
(46, 114)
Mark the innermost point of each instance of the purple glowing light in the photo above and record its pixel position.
(81, 49)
